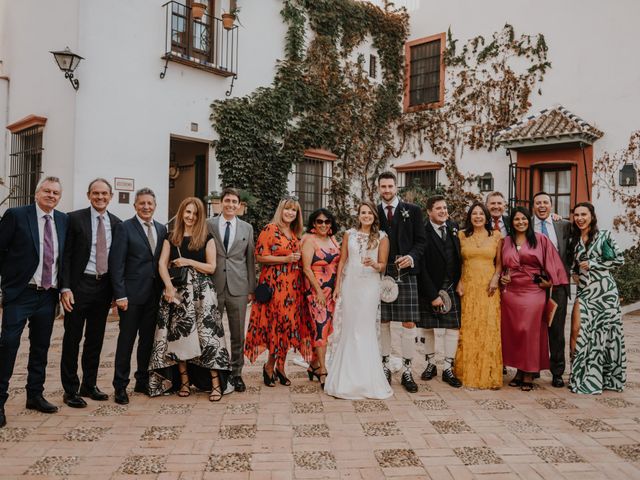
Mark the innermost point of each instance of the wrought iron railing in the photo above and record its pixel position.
(202, 42)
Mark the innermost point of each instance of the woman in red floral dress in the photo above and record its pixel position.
(275, 325)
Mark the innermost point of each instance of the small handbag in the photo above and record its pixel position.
(179, 275)
(263, 293)
(388, 289)
(447, 302)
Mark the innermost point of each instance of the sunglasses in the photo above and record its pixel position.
(291, 197)
(322, 222)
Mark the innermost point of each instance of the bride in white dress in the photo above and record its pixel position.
(355, 371)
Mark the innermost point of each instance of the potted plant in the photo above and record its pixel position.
(214, 200)
(198, 9)
(247, 200)
(229, 19)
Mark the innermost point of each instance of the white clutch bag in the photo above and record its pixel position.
(388, 289)
(446, 299)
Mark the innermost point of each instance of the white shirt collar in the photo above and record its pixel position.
(394, 203)
(95, 213)
(437, 227)
(142, 222)
(233, 221)
(41, 213)
(547, 220)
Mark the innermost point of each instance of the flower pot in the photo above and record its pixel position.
(228, 19)
(197, 10)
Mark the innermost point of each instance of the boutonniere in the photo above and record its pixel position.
(454, 230)
(405, 214)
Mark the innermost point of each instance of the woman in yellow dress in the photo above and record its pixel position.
(479, 356)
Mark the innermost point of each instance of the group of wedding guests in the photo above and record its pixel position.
(492, 286)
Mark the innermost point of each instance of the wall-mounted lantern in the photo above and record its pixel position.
(485, 182)
(68, 62)
(628, 176)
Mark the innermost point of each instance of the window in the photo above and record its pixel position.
(557, 183)
(422, 178)
(26, 159)
(425, 73)
(312, 180)
(373, 66)
(193, 38)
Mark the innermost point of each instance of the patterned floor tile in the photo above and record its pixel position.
(52, 466)
(431, 404)
(229, 462)
(86, 434)
(397, 457)
(13, 434)
(614, 402)
(305, 388)
(424, 387)
(319, 460)
(495, 404)
(143, 464)
(253, 389)
(477, 455)
(522, 426)
(369, 406)
(297, 374)
(630, 453)
(555, 403)
(311, 430)
(233, 432)
(31, 413)
(109, 410)
(175, 409)
(307, 407)
(242, 408)
(381, 429)
(558, 454)
(451, 426)
(591, 425)
(162, 433)
(107, 364)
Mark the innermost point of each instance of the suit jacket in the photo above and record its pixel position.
(406, 233)
(434, 261)
(77, 248)
(133, 267)
(236, 268)
(20, 248)
(505, 221)
(563, 234)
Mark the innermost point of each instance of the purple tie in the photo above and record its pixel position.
(47, 254)
(101, 248)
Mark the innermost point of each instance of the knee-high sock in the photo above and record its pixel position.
(408, 342)
(385, 339)
(429, 343)
(450, 346)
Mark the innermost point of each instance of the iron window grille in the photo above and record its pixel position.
(26, 165)
(312, 184)
(426, 179)
(424, 73)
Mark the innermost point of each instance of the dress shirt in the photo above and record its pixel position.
(37, 276)
(153, 229)
(222, 226)
(436, 227)
(503, 228)
(537, 226)
(394, 203)
(91, 264)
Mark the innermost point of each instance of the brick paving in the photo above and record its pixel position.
(299, 432)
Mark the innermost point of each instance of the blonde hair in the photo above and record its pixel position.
(199, 230)
(374, 234)
(297, 225)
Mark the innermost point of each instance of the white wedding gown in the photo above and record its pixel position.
(355, 367)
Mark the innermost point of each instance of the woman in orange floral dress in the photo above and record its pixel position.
(276, 324)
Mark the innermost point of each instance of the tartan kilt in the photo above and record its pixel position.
(431, 319)
(406, 307)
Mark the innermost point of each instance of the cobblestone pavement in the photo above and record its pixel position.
(299, 432)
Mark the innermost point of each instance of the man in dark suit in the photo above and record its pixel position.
(497, 207)
(559, 232)
(133, 265)
(235, 277)
(403, 224)
(441, 270)
(31, 244)
(86, 293)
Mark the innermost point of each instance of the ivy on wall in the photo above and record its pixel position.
(321, 97)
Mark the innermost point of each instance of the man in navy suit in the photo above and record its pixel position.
(133, 265)
(31, 245)
(86, 293)
(497, 206)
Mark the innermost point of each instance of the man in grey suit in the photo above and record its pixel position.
(235, 277)
(559, 232)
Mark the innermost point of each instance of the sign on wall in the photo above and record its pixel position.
(126, 184)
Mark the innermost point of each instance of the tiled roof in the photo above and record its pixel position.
(551, 125)
(417, 165)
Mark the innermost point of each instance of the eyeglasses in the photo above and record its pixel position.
(291, 197)
(322, 222)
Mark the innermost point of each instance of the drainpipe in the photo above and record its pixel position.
(5, 93)
(586, 173)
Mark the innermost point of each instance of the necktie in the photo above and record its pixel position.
(47, 254)
(227, 232)
(443, 233)
(152, 241)
(543, 228)
(496, 224)
(101, 247)
(389, 213)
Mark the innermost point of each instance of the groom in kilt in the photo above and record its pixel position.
(402, 222)
(441, 270)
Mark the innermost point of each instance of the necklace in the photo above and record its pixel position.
(479, 239)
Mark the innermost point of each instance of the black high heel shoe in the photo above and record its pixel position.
(312, 373)
(283, 380)
(269, 381)
(321, 380)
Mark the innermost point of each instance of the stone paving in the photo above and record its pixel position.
(299, 432)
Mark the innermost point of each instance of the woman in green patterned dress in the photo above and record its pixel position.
(597, 339)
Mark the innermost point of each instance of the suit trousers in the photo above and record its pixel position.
(92, 301)
(236, 307)
(556, 332)
(37, 307)
(137, 321)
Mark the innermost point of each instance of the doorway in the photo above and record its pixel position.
(188, 171)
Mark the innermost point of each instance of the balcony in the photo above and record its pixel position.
(202, 43)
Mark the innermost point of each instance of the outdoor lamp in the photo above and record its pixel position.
(628, 176)
(485, 182)
(68, 62)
